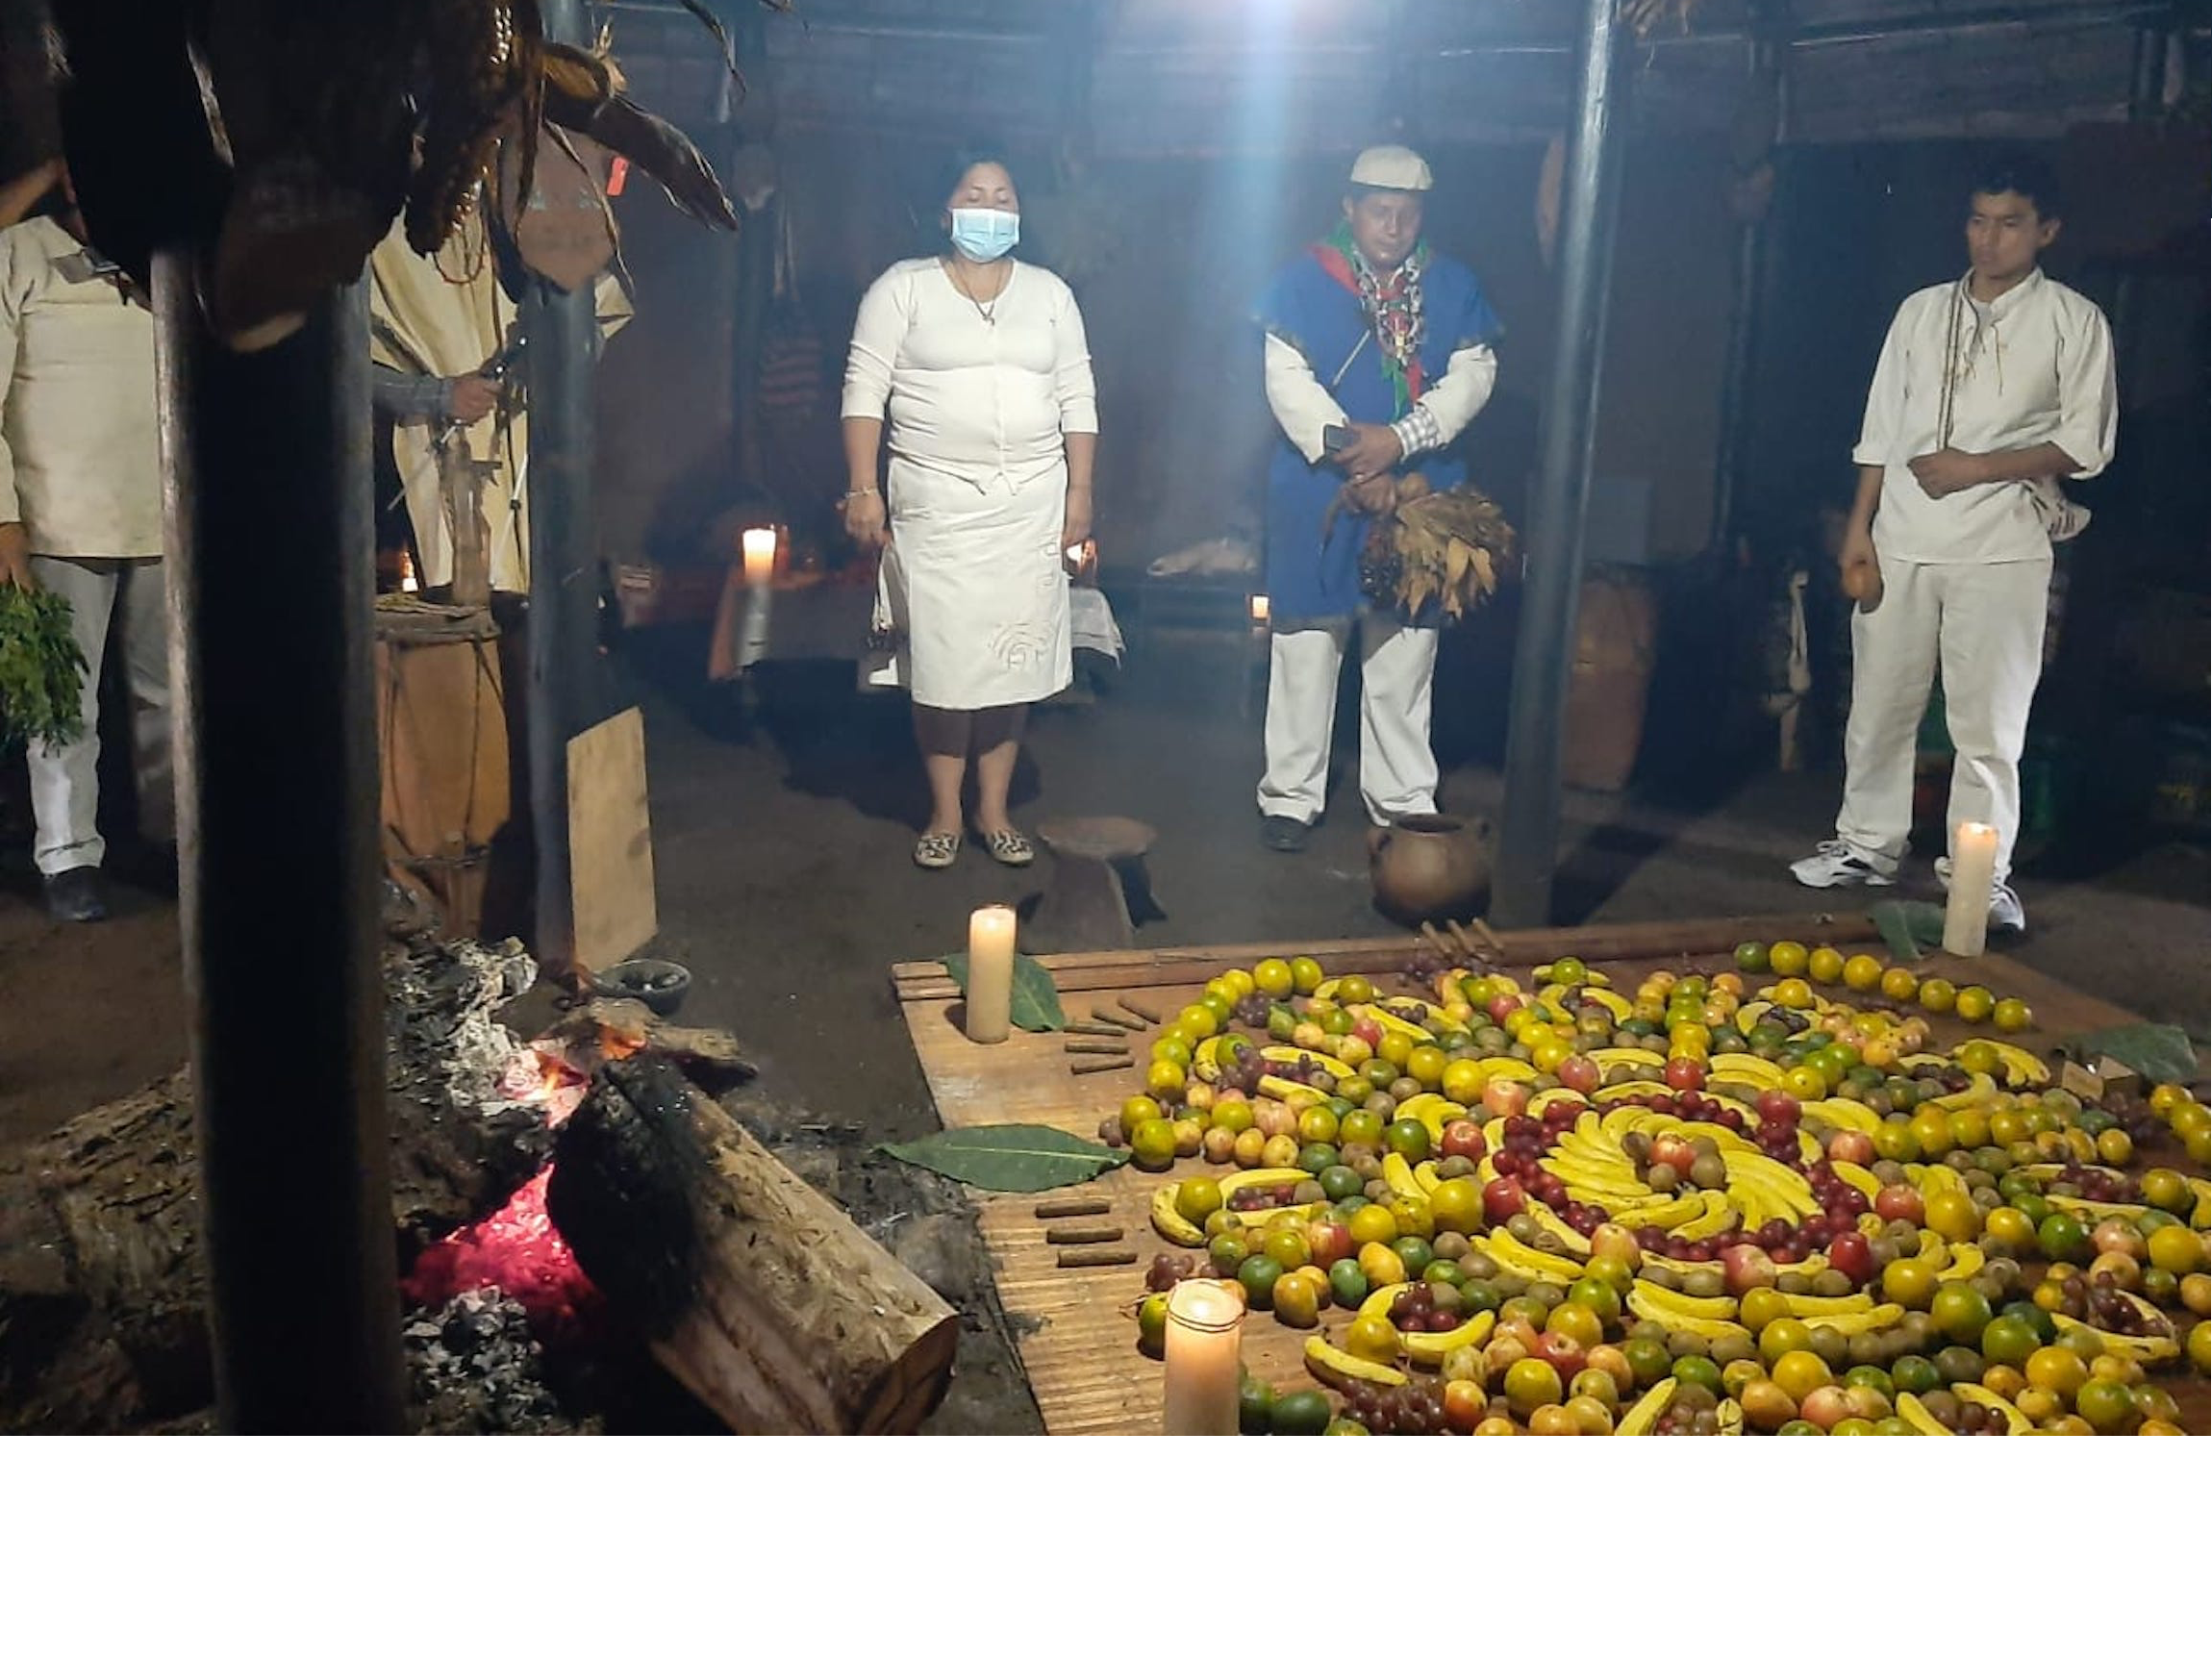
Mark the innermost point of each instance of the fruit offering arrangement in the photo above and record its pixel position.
(1716, 1206)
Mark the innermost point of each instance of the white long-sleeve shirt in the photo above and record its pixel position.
(2032, 367)
(80, 458)
(1303, 407)
(973, 398)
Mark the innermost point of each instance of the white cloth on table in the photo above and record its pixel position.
(80, 452)
(1091, 623)
(2032, 367)
(977, 412)
(1985, 624)
(1398, 770)
(66, 780)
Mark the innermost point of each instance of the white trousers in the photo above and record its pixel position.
(65, 781)
(1397, 770)
(1984, 623)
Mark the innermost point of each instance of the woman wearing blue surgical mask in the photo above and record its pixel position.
(977, 365)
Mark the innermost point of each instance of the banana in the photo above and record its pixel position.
(1607, 1058)
(1494, 1134)
(1838, 1113)
(1399, 1174)
(1750, 1068)
(1332, 1365)
(1644, 1307)
(2202, 1216)
(1858, 1175)
(1966, 1261)
(1719, 1216)
(1430, 1349)
(1259, 1220)
(1284, 1052)
(1205, 1060)
(1611, 1001)
(1638, 1418)
(1879, 1317)
(1511, 1254)
(1232, 1184)
(1292, 1093)
(1326, 991)
(2022, 1069)
(1621, 1120)
(1663, 1213)
(1544, 1097)
(1399, 1023)
(1549, 1219)
(1748, 1016)
(2096, 1209)
(1425, 1012)
(1424, 1173)
(1432, 1111)
(1170, 1222)
(1688, 1307)
(1810, 1308)
(2149, 1349)
(2015, 1419)
(1506, 1067)
(1921, 1419)
(1981, 1091)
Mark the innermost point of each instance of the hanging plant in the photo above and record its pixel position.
(42, 670)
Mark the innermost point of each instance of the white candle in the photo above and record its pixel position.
(760, 545)
(1204, 1337)
(990, 973)
(1259, 609)
(1972, 878)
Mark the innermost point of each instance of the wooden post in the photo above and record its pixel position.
(1529, 832)
(1758, 129)
(758, 232)
(271, 573)
(566, 694)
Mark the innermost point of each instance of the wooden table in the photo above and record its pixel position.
(1076, 1327)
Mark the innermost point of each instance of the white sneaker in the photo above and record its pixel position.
(2006, 915)
(1838, 863)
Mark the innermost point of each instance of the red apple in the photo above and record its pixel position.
(1562, 1353)
(1367, 1032)
(1463, 1137)
(1852, 1147)
(1580, 1073)
(1330, 1242)
(1684, 1072)
(1747, 1267)
(1504, 1097)
(1612, 1239)
(1674, 1151)
(1502, 1200)
(1825, 1406)
(1852, 1256)
(1900, 1203)
(1774, 1106)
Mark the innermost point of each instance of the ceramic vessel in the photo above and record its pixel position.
(1430, 867)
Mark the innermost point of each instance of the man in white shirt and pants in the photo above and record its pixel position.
(1989, 390)
(81, 516)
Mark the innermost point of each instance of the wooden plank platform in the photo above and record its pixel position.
(1079, 1340)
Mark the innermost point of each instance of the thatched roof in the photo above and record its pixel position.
(1204, 76)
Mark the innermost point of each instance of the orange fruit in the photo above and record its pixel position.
(1862, 973)
(1786, 957)
(1825, 964)
(1305, 974)
(1530, 1385)
(1800, 1372)
(1374, 1224)
(1937, 995)
(2177, 1249)
(1952, 1213)
(1426, 1065)
(1272, 978)
(1793, 993)
(1901, 984)
(2013, 1015)
(1456, 1206)
(1462, 1082)
(2057, 1371)
(1974, 1004)
(1382, 1264)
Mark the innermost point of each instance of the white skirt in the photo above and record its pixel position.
(973, 591)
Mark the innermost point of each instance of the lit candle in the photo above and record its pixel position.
(990, 974)
(1972, 878)
(1259, 609)
(759, 546)
(1203, 1341)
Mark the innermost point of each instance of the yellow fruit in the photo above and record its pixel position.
(1952, 1213)
(2013, 1015)
(1793, 993)
(1152, 1145)
(1974, 1004)
(1937, 995)
(1800, 1372)
(1456, 1206)
(2058, 1371)
(1374, 1339)
(1862, 973)
(2197, 1294)
(1197, 1198)
(1372, 1224)
(1382, 1264)
(2177, 1249)
(1901, 984)
(1786, 957)
(1317, 1126)
(2004, 1380)
(1825, 964)
(1165, 1080)
(1138, 1109)
(2199, 1346)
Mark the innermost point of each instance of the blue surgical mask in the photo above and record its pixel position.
(985, 234)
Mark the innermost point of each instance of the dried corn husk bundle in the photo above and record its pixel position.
(1436, 550)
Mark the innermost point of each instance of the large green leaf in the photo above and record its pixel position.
(1909, 927)
(1036, 1003)
(2162, 1053)
(1011, 1157)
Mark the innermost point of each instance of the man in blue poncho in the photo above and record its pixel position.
(1379, 351)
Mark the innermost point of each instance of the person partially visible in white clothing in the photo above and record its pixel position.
(81, 516)
(1989, 390)
(978, 363)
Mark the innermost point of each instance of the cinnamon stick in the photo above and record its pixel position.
(1116, 1018)
(1056, 1207)
(1091, 1233)
(1095, 1045)
(1146, 1014)
(1083, 1067)
(1097, 1256)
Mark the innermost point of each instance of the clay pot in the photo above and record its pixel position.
(1430, 867)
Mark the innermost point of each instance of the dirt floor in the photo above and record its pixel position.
(781, 838)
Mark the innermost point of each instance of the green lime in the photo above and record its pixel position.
(1696, 1369)
(2008, 1339)
(1347, 1284)
(2063, 1237)
(1647, 1357)
(1345, 1426)
(1152, 1326)
(1317, 1157)
(1960, 1311)
(1798, 1426)
(1415, 1253)
(1302, 1411)
(1258, 1276)
(1227, 1253)
(1255, 1401)
(1339, 1183)
(1915, 1375)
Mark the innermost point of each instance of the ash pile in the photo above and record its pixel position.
(474, 1368)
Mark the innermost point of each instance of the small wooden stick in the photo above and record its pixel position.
(1468, 949)
(1097, 1256)
(1115, 1017)
(1428, 932)
(1483, 933)
(1086, 1029)
(1088, 1068)
(1053, 1208)
(1095, 1045)
(1095, 1233)
(1139, 1011)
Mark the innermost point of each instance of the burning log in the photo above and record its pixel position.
(759, 1295)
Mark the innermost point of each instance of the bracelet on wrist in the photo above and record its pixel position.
(856, 495)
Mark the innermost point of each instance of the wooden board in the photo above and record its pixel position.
(609, 840)
(1079, 1345)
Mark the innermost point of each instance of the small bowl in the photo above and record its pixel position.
(661, 986)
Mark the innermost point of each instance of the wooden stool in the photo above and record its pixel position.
(1094, 862)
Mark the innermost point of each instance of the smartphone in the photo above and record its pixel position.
(1335, 439)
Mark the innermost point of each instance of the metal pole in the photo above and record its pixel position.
(1529, 828)
(272, 581)
(566, 695)
(1743, 314)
